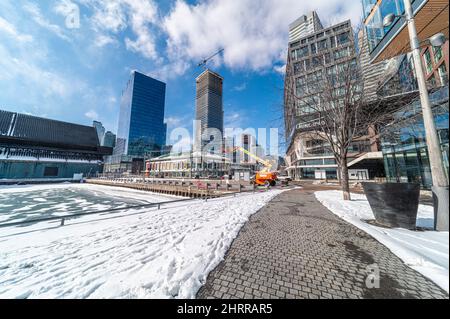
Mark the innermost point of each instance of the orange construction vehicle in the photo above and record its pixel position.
(264, 177)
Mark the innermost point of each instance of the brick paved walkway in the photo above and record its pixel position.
(295, 248)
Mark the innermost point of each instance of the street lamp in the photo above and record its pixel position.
(440, 184)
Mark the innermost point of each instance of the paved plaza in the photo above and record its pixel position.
(295, 248)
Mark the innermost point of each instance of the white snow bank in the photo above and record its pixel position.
(425, 251)
(165, 253)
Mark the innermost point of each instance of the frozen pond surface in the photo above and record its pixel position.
(19, 203)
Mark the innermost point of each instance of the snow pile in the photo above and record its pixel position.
(425, 251)
(165, 253)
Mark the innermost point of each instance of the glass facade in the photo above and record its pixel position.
(374, 13)
(404, 144)
(141, 128)
(402, 81)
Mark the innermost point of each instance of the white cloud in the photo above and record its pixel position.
(10, 29)
(143, 14)
(253, 33)
(115, 16)
(165, 71)
(91, 114)
(280, 69)
(108, 15)
(36, 15)
(103, 40)
(173, 121)
(240, 88)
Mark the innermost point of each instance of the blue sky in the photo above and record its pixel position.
(53, 66)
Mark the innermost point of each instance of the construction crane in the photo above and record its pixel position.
(265, 176)
(205, 61)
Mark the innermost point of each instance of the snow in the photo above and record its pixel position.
(425, 251)
(139, 253)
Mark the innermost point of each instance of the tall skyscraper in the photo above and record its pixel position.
(304, 25)
(209, 106)
(141, 129)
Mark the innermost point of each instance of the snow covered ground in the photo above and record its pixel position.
(146, 253)
(425, 251)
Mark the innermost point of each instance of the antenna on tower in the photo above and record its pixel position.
(205, 61)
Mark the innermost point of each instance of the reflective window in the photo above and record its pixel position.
(443, 75)
(404, 142)
(343, 38)
(322, 45)
(428, 62)
(437, 51)
(374, 19)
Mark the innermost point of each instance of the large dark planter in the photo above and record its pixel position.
(394, 204)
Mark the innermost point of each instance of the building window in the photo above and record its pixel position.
(342, 53)
(428, 62)
(307, 64)
(322, 45)
(443, 75)
(317, 61)
(313, 48)
(432, 81)
(299, 53)
(343, 38)
(437, 51)
(301, 86)
(298, 67)
(341, 27)
(333, 42)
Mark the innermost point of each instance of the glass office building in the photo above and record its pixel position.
(404, 145)
(141, 129)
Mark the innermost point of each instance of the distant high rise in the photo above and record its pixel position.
(209, 106)
(141, 128)
(100, 131)
(109, 139)
(372, 72)
(304, 25)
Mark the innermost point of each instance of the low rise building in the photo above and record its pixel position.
(189, 165)
(34, 148)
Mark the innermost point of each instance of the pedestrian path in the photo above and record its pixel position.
(295, 248)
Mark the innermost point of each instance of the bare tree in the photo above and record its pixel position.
(330, 107)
